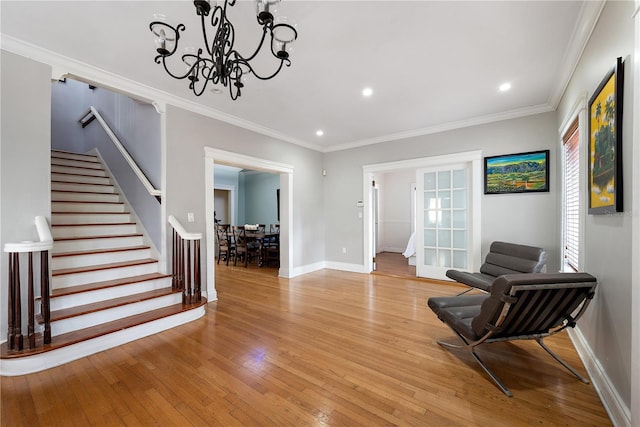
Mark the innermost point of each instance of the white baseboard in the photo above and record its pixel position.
(392, 249)
(50, 359)
(304, 269)
(619, 413)
(343, 266)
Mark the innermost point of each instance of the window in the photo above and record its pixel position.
(571, 197)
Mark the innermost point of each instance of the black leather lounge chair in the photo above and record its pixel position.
(519, 307)
(503, 258)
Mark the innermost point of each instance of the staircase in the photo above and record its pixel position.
(106, 286)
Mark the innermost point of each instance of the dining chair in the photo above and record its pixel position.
(240, 242)
(225, 242)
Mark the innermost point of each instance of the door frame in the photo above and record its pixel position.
(213, 156)
(369, 172)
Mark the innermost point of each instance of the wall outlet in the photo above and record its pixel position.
(190, 217)
(344, 250)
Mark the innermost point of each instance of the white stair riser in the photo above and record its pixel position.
(79, 178)
(78, 171)
(91, 230)
(72, 186)
(74, 300)
(89, 218)
(57, 196)
(58, 263)
(71, 162)
(86, 207)
(94, 244)
(91, 319)
(75, 279)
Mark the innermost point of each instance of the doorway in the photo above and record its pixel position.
(222, 206)
(472, 160)
(215, 157)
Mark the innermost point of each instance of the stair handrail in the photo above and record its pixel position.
(181, 230)
(87, 118)
(185, 262)
(45, 242)
(15, 335)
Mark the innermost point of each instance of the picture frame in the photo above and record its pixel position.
(517, 173)
(605, 144)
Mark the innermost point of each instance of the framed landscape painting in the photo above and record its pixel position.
(605, 144)
(517, 173)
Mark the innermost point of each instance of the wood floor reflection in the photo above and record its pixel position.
(328, 348)
(394, 264)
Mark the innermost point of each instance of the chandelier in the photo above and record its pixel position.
(221, 63)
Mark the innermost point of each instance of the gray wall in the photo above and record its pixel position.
(189, 133)
(25, 157)
(394, 224)
(521, 218)
(260, 200)
(68, 102)
(607, 324)
(137, 126)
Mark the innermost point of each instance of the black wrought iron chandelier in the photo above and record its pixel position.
(221, 64)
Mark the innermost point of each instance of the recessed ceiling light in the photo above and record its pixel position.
(367, 91)
(319, 132)
(505, 87)
(216, 90)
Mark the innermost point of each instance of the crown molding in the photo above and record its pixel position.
(507, 115)
(589, 14)
(63, 66)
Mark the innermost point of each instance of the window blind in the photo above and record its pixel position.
(571, 195)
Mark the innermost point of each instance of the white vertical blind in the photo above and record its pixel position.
(571, 195)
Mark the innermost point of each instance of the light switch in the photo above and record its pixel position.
(190, 217)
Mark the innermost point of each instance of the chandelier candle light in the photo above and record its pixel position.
(221, 64)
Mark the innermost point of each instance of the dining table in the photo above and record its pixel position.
(260, 237)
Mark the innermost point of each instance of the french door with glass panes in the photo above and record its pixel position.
(444, 217)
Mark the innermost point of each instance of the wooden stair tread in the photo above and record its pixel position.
(82, 192)
(82, 168)
(89, 201)
(94, 161)
(93, 224)
(80, 174)
(97, 267)
(105, 236)
(55, 151)
(89, 213)
(80, 183)
(106, 284)
(100, 251)
(75, 337)
(79, 310)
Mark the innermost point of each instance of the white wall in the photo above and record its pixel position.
(395, 205)
(25, 156)
(606, 325)
(520, 218)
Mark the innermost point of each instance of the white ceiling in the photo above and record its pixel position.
(433, 65)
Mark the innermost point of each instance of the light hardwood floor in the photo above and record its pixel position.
(324, 349)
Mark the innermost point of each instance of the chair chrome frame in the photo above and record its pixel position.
(525, 299)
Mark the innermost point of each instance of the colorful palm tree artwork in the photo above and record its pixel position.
(603, 148)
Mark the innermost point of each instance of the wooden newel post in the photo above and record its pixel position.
(196, 271)
(45, 288)
(31, 335)
(14, 336)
